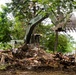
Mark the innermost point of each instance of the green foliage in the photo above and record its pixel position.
(5, 46)
(20, 9)
(64, 44)
(18, 31)
(5, 25)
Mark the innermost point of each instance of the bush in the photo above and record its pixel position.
(5, 46)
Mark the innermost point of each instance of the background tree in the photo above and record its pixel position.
(26, 10)
(64, 43)
(5, 25)
(18, 29)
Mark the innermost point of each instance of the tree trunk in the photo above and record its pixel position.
(75, 55)
(56, 42)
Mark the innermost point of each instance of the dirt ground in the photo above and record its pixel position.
(38, 72)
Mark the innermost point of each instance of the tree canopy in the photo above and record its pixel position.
(5, 25)
(64, 43)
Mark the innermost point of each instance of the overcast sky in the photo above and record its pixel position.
(6, 1)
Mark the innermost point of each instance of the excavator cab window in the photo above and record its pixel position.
(35, 38)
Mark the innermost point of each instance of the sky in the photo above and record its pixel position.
(2, 2)
(71, 33)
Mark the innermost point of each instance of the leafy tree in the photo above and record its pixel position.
(5, 25)
(27, 9)
(21, 10)
(64, 43)
(18, 31)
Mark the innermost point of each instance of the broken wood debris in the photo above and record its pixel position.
(27, 57)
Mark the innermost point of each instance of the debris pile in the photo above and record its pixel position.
(29, 56)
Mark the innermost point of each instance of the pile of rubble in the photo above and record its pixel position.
(29, 56)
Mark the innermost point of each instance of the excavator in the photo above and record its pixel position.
(56, 20)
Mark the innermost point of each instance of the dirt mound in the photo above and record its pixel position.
(30, 56)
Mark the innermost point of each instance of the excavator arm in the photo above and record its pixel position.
(38, 19)
(34, 22)
(32, 25)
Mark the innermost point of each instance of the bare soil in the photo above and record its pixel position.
(38, 71)
(44, 72)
